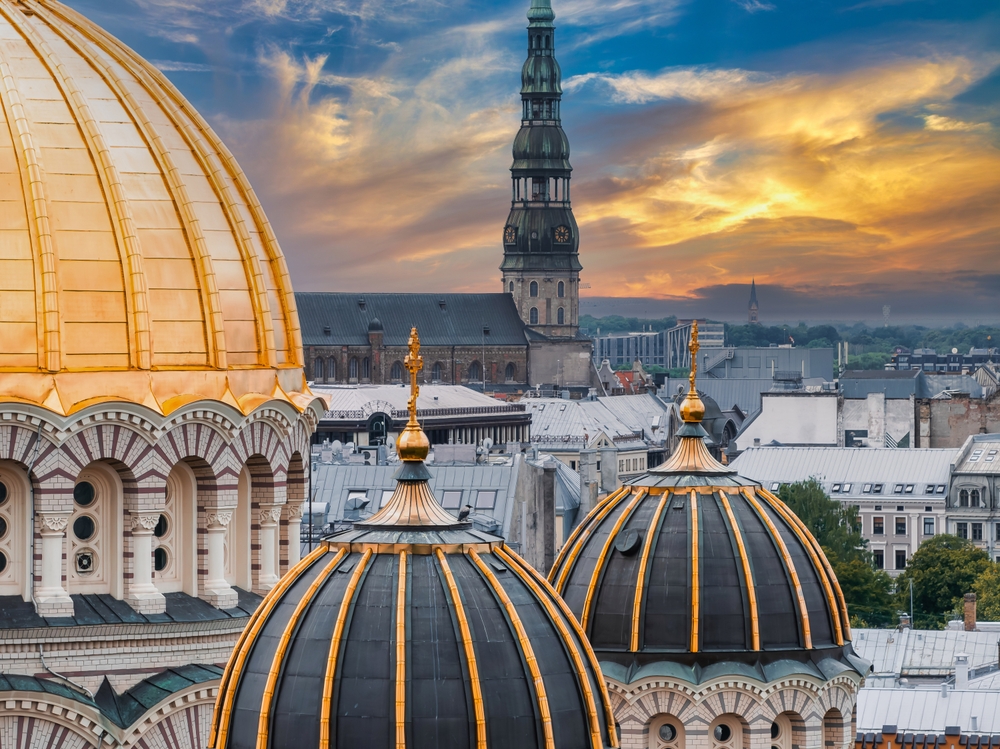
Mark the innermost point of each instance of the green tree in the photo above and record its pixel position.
(835, 525)
(987, 590)
(867, 591)
(942, 570)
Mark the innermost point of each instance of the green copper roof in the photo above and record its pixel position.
(540, 13)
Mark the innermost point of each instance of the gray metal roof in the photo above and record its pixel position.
(903, 383)
(927, 711)
(980, 454)
(857, 466)
(641, 413)
(367, 399)
(334, 483)
(556, 420)
(916, 652)
(443, 319)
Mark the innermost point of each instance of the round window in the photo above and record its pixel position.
(3, 562)
(4, 494)
(668, 732)
(84, 493)
(722, 732)
(3, 527)
(161, 527)
(775, 730)
(160, 559)
(84, 527)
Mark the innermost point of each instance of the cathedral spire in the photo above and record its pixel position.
(752, 316)
(541, 266)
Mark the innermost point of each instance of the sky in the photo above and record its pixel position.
(846, 155)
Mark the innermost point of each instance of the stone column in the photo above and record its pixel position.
(142, 593)
(216, 590)
(51, 598)
(269, 517)
(294, 516)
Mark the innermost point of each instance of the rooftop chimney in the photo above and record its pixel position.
(970, 612)
(961, 671)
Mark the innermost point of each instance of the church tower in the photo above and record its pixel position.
(541, 265)
(752, 316)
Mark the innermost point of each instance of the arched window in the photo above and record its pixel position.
(533, 289)
(726, 732)
(561, 290)
(561, 316)
(353, 368)
(974, 498)
(318, 374)
(963, 498)
(436, 372)
(511, 372)
(366, 369)
(175, 549)
(533, 316)
(331, 369)
(94, 533)
(396, 375)
(511, 287)
(475, 372)
(14, 519)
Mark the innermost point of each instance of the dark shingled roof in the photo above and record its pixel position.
(442, 319)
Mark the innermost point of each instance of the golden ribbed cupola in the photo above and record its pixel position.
(413, 629)
(136, 261)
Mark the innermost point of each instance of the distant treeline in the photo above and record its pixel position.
(870, 347)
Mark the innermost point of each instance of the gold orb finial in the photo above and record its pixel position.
(692, 409)
(413, 444)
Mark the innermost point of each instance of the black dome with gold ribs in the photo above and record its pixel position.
(696, 565)
(413, 630)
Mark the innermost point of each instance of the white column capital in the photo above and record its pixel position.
(270, 515)
(218, 519)
(53, 523)
(144, 524)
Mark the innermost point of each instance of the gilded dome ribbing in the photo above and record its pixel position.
(136, 260)
(693, 564)
(415, 630)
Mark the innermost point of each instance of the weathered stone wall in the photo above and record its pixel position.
(948, 423)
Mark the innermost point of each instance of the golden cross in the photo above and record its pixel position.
(414, 362)
(693, 347)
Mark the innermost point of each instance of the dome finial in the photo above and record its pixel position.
(413, 444)
(693, 410)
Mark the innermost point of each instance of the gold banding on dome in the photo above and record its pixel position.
(580, 534)
(598, 568)
(556, 619)
(789, 565)
(747, 572)
(400, 655)
(609, 715)
(524, 643)
(264, 721)
(809, 542)
(478, 708)
(331, 660)
(652, 533)
(695, 573)
(237, 660)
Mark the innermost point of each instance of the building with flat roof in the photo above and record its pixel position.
(662, 348)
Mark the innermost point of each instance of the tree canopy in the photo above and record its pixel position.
(943, 570)
(987, 590)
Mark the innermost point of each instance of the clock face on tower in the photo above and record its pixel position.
(509, 235)
(562, 234)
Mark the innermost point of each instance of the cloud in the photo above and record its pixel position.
(170, 66)
(754, 6)
(944, 124)
(692, 83)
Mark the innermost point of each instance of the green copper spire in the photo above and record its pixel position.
(540, 13)
(541, 265)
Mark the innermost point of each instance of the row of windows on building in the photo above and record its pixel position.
(878, 559)
(630, 465)
(873, 488)
(973, 531)
(533, 289)
(360, 369)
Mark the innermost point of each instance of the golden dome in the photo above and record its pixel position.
(136, 263)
